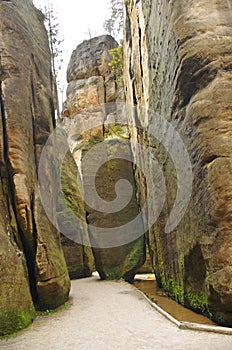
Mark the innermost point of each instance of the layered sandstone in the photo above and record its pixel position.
(178, 58)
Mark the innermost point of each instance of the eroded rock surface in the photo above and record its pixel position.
(31, 258)
(91, 119)
(178, 64)
(91, 58)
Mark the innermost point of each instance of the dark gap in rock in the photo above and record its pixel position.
(128, 36)
(211, 159)
(33, 120)
(194, 279)
(32, 263)
(180, 42)
(140, 53)
(195, 74)
(53, 116)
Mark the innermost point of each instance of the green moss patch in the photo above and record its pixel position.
(113, 273)
(173, 290)
(12, 322)
(195, 300)
(198, 302)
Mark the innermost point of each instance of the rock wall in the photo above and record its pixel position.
(91, 118)
(32, 265)
(78, 257)
(178, 58)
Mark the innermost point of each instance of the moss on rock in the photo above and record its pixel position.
(13, 321)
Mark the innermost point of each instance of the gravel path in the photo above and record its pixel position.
(110, 316)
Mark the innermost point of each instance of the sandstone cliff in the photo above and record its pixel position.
(91, 118)
(33, 269)
(178, 58)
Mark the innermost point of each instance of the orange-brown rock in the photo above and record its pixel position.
(84, 94)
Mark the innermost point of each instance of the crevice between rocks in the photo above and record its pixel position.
(140, 52)
(209, 160)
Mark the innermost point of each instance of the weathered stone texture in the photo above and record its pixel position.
(178, 58)
(85, 93)
(16, 306)
(122, 260)
(91, 58)
(79, 258)
(26, 122)
(90, 106)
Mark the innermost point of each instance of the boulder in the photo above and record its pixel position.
(91, 58)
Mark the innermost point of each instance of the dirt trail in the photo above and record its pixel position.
(110, 316)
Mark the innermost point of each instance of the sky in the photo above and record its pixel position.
(76, 18)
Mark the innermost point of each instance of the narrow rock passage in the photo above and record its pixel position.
(108, 316)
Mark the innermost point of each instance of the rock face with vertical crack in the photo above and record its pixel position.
(178, 58)
(91, 118)
(32, 264)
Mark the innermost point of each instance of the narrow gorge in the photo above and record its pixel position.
(165, 128)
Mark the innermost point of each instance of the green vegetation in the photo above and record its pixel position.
(113, 273)
(117, 129)
(193, 300)
(172, 289)
(114, 26)
(198, 302)
(71, 191)
(14, 321)
(95, 139)
(116, 63)
(135, 257)
(53, 311)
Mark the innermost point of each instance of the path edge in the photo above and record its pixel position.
(187, 325)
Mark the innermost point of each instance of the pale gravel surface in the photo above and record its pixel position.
(110, 316)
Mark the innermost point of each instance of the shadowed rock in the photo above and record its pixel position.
(79, 258)
(178, 64)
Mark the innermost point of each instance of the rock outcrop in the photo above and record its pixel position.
(32, 264)
(178, 58)
(91, 118)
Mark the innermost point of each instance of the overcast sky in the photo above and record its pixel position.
(76, 19)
